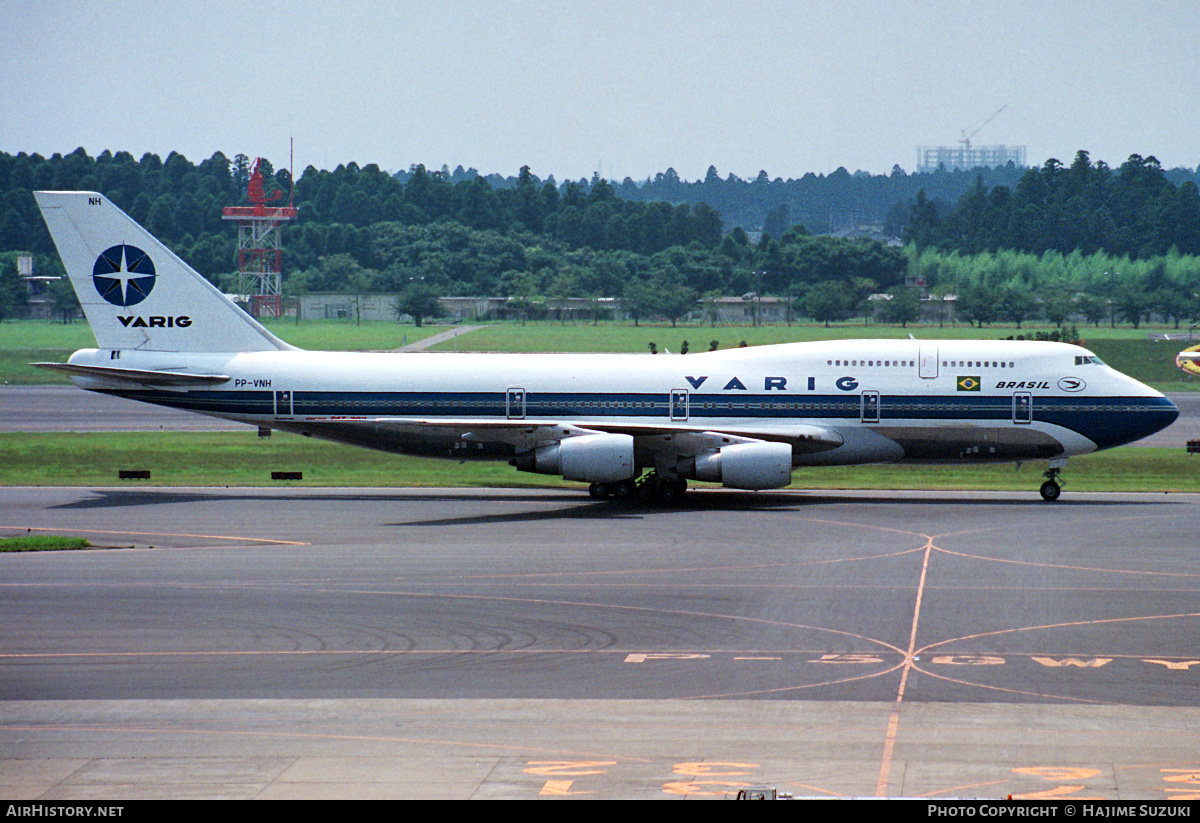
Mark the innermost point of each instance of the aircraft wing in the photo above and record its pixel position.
(678, 438)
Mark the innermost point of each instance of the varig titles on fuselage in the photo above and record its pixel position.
(735, 384)
(849, 383)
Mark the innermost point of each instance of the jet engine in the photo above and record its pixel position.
(591, 458)
(747, 466)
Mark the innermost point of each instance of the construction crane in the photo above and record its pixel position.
(966, 138)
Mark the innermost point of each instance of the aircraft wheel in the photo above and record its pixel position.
(672, 491)
(1050, 491)
(598, 490)
(648, 491)
(624, 489)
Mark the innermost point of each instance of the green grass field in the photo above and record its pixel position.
(42, 543)
(1125, 349)
(30, 341)
(346, 335)
(615, 337)
(244, 459)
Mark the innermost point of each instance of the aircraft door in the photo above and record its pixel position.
(1022, 407)
(927, 367)
(514, 404)
(283, 405)
(870, 407)
(679, 404)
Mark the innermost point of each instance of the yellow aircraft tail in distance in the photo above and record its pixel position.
(1189, 360)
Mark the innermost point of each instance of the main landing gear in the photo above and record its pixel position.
(649, 489)
(1051, 489)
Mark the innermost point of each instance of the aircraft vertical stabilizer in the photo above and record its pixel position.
(135, 292)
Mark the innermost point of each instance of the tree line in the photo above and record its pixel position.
(825, 202)
(1013, 286)
(1134, 210)
(1061, 235)
(361, 229)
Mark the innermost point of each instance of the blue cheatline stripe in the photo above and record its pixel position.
(223, 402)
(1105, 420)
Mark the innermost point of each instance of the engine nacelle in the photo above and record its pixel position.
(747, 466)
(591, 458)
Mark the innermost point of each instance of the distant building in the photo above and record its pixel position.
(741, 311)
(873, 231)
(342, 306)
(965, 158)
(934, 308)
(40, 305)
(382, 307)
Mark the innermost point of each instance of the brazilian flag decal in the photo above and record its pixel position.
(968, 384)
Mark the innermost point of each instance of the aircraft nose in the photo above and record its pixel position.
(1172, 409)
(1156, 414)
(1123, 420)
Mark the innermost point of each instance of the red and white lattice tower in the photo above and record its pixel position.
(260, 250)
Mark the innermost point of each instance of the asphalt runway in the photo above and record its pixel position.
(66, 408)
(490, 643)
(33, 409)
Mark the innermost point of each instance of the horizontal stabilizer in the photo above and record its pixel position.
(146, 377)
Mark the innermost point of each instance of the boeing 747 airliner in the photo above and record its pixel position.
(627, 424)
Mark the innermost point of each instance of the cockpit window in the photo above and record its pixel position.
(1088, 360)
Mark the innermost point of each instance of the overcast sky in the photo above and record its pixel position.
(626, 88)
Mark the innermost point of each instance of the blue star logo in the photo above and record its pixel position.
(123, 275)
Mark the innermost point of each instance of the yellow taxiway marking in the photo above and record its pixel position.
(893, 726)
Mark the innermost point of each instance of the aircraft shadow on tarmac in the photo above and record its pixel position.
(732, 502)
(106, 498)
(569, 508)
(574, 506)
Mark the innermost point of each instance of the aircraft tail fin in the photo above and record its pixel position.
(135, 292)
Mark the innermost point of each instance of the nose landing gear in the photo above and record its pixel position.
(1051, 489)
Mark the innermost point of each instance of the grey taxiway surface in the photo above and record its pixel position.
(485, 643)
